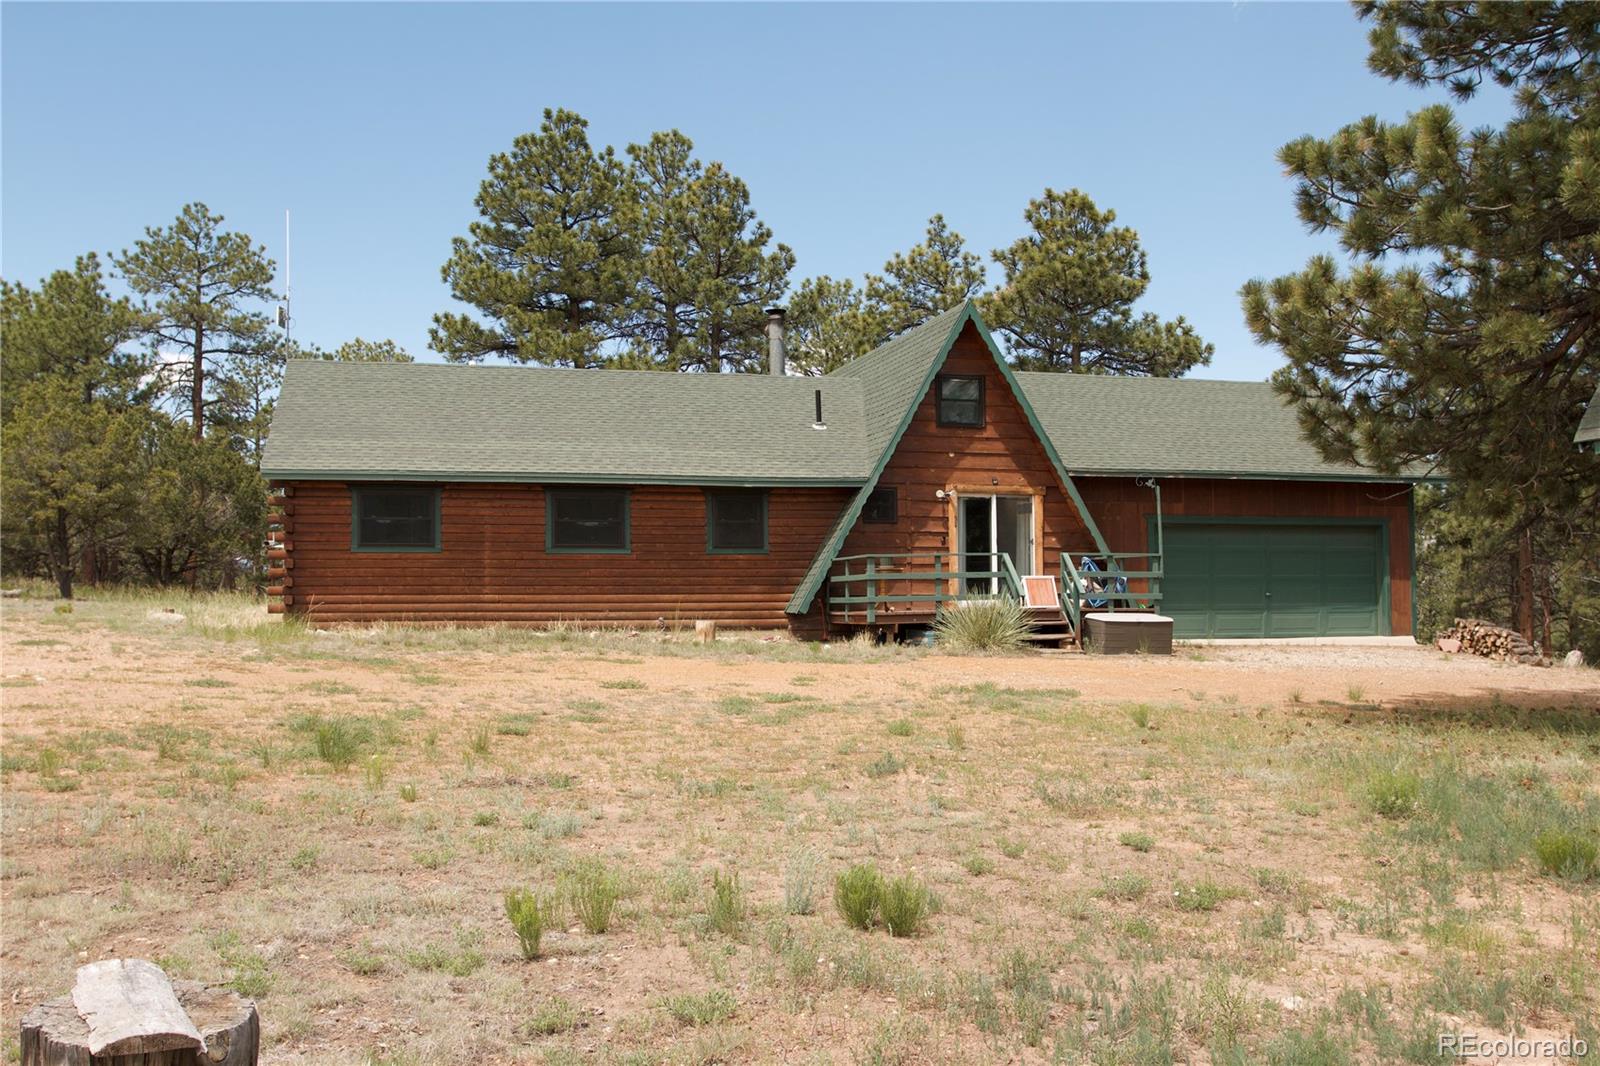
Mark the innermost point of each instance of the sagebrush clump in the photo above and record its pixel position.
(1569, 854)
(530, 914)
(855, 893)
(594, 892)
(904, 905)
(799, 883)
(866, 898)
(726, 912)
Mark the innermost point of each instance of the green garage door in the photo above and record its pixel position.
(1272, 580)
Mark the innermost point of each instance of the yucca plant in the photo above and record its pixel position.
(988, 624)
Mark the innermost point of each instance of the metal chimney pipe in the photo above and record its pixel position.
(776, 359)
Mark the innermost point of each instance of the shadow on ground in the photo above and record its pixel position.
(1574, 712)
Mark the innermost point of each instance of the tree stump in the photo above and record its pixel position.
(705, 631)
(126, 1012)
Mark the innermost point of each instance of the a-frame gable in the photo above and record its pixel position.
(896, 377)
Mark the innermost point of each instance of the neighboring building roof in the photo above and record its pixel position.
(351, 421)
(1589, 427)
(1180, 427)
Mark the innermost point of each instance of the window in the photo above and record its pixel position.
(393, 519)
(586, 520)
(960, 400)
(883, 505)
(736, 523)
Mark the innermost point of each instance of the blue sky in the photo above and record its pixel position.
(851, 125)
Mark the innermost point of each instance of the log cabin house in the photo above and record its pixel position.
(924, 472)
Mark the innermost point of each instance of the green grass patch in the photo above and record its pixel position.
(1567, 853)
(1201, 895)
(708, 1008)
(515, 725)
(1137, 841)
(1393, 792)
(886, 765)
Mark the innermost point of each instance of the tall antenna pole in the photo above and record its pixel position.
(288, 278)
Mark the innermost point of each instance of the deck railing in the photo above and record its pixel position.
(883, 587)
(1111, 587)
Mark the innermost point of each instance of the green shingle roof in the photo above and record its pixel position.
(1589, 426)
(1180, 427)
(429, 421)
(893, 375)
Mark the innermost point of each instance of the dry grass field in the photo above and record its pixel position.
(1268, 855)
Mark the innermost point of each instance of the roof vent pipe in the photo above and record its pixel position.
(775, 353)
(819, 423)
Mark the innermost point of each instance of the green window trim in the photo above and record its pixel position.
(550, 546)
(713, 500)
(358, 493)
(940, 400)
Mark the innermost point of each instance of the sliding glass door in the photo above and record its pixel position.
(991, 526)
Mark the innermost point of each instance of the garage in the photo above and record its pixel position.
(1275, 579)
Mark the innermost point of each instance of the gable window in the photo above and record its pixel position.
(736, 523)
(960, 400)
(387, 518)
(591, 521)
(882, 506)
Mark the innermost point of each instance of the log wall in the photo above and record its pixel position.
(493, 566)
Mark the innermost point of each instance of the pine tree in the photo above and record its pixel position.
(70, 329)
(1465, 336)
(245, 397)
(200, 282)
(365, 351)
(68, 482)
(830, 323)
(834, 321)
(553, 257)
(932, 277)
(66, 341)
(1067, 300)
(201, 506)
(706, 276)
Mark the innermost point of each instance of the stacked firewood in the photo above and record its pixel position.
(1477, 637)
